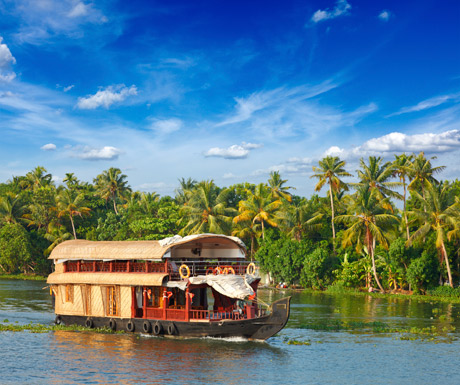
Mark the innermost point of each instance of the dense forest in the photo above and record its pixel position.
(346, 234)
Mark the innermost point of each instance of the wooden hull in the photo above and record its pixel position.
(254, 329)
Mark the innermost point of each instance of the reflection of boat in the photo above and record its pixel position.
(162, 287)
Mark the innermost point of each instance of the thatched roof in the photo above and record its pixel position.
(140, 250)
(124, 279)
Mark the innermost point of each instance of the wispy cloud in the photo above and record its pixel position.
(428, 103)
(342, 8)
(166, 126)
(6, 60)
(106, 97)
(385, 15)
(236, 151)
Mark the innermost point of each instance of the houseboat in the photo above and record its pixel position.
(194, 286)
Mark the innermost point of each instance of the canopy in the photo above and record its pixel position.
(133, 279)
(230, 285)
(188, 247)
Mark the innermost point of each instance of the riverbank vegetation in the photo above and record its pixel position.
(396, 228)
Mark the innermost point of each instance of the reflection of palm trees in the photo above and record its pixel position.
(112, 184)
(369, 223)
(207, 211)
(438, 216)
(258, 208)
(330, 170)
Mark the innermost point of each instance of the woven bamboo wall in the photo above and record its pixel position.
(68, 308)
(125, 301)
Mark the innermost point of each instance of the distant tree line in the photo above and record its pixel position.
(354, 236)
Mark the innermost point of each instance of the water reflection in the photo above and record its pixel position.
(156, 360)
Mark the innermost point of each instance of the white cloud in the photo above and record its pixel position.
(48, 147)
(106, 97)
(166, 126)
(385, 15)
(6, 58)
(80, 9)
(397, 142)
(341, 8)
(104, 153)
(428, 103)
(8, 77)
(68, 88)
(235, 151)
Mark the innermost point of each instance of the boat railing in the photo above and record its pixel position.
(209, 267)
(115, 267)
(209, 315)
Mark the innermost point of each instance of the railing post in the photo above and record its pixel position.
(78, 266)
(165, 305)
(187, 304)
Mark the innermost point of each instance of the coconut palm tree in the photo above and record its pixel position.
(12, 208)
(401, 169)
(376, 175)
(112, 184)
(259, 208)
(207, 211)
(71, 180)
(36, 178)
(329, 171)
(184, 192)
(421, 173)
(439, 215)
(70, 204)
(277, 188)
(369, 222)
(296, 219)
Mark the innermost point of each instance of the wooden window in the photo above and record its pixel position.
(154, 296)
(69, 293)
(112, 301)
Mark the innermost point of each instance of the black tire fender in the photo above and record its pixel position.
(58, 320)
(171, 329)
(112, 324)
(89, 323)
(157, 329)
(146, 327)
(130, 326)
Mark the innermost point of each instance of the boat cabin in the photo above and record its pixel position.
(198, 278)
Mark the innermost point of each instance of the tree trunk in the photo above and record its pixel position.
(449, 274)
(332, 211)
(371, 252)
(405, 214)
(115, 205)
(73, 227)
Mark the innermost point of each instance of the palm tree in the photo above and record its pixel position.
(12, 208)
(277, 188)
(207, 211)
(376, 176)
(401, 168)
(330, 170)
(421, 173)
(368, 222)
(259, 208)
(184, 192)
(296, 219)
(71, 180)
(247, 230)
(36, 178)
(70, 204)
(56, 234)
(112, 184)
(438, 216)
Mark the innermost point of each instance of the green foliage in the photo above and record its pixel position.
(283, 258)
(317, 267)
(112, 228)
(15, 249)
(423, 272)
(444, 291)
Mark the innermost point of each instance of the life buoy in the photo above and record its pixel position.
(58, 320)
(157, 329)
(209, 271)
(89, 323)
(130, 326)
(228, 270)
(217, 270)
(112, 324)
(171, 329)
(146, 327)
(187, 271)
(251, 269)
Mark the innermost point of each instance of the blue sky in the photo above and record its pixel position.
(225, 90)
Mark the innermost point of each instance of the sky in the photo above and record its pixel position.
(225, 90)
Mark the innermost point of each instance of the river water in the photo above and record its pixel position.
(308, 351)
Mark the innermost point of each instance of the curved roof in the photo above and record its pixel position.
(141, 250)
